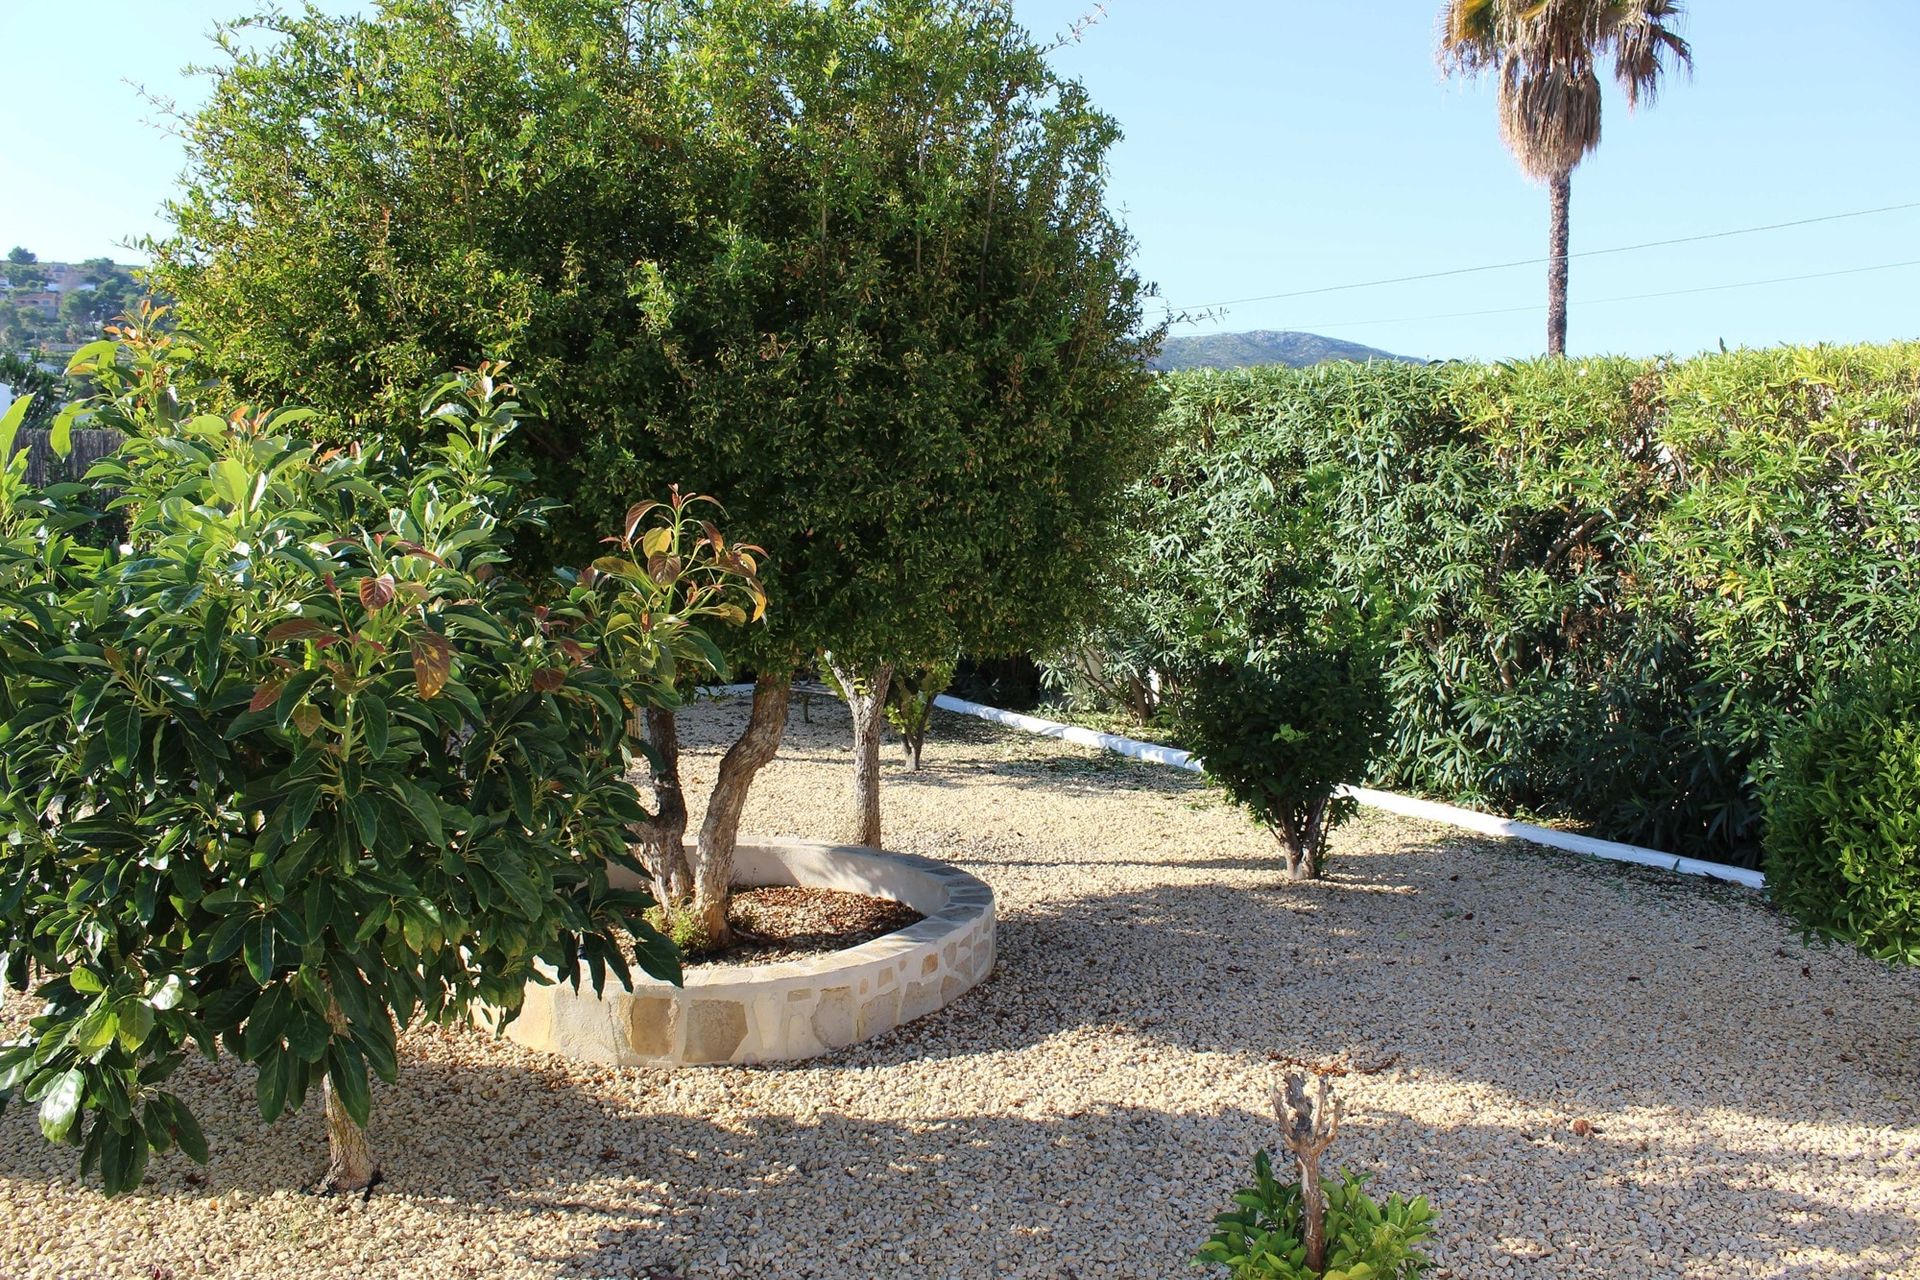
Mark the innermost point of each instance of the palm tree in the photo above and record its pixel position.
(1545, 53)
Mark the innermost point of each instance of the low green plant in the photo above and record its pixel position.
(1841, 794)
(1282, 730)
(682, 926)
(1264, 1236)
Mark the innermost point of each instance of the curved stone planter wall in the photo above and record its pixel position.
(800, 1009)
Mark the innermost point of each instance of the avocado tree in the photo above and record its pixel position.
(293, 766)
(847, 265)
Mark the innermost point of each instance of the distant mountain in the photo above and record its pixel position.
(1263, 346)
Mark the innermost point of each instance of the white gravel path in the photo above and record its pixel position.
(1755, 1103)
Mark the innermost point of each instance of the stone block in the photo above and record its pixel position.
(881, 1013)
(833, 1017)
(919, 999)
(650, 1025)
(715, 1029)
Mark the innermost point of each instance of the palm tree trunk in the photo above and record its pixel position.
(1561, 190)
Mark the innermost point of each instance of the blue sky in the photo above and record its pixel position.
(1275, 146)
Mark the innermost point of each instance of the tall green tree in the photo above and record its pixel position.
(847, 266)
(1546, 55)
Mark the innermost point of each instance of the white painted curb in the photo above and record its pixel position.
(1410, 806)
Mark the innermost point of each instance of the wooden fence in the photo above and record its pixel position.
(45, 467)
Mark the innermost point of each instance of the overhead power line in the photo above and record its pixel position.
(1630, 297)
(1532, 262)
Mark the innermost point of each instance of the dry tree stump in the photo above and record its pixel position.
(1307, 1128)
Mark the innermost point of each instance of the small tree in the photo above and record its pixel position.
(296, 766)
(847, 265)
(1283, 729)
(910, 701)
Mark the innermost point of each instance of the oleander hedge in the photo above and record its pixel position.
(1605, 581)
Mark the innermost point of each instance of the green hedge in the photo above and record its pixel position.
(1842, 795)
(1606, 579)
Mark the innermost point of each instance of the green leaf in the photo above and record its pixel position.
(10, 421)
(347, 1071)
(184, 1127)
(135, 1018)
(270, 1086)
(373, 720)
(231, 482)
(257, 945)
(123, 735)
(123, 1160)
(60, 436)
(60, 1106)
(424, 809)
(366, 821)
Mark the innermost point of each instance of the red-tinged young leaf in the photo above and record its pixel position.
(298, 629)
(638, 512)
(547, 679)
(266, 693)
(376, 593)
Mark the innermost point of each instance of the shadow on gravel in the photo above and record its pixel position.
(617, 1185)
(621, 1187)
(1395, 954)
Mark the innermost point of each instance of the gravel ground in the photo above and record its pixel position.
(1751, 1102)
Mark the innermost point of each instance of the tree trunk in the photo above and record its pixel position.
(867, 701)
(1561, 191)
(1304, 846)
(663, 840)
(713, 860)
(350, 1164)
(914, 740)
(1307, 1128)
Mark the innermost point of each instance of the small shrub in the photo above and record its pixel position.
(1841, 794)
(1263, 1238)
(910, 698)
(1282, 730)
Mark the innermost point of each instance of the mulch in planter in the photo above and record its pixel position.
(775, 923)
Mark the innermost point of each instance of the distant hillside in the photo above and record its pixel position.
(1263, 346)
(49, 309)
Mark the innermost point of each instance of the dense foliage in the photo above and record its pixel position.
(1842, 800)
(295, 764)
(1261, 1239)
(848, 265)
(1607, 579)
